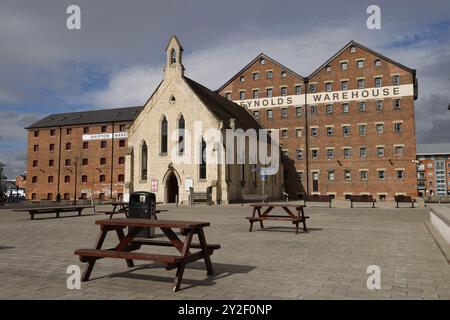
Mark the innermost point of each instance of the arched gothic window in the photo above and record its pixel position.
(202, 165)
(144, 160)
(164, 135)
(173, 57)
(181, 128)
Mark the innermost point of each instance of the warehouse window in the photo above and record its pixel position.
(51, 163)
(102, 178)
(121, 160)
(68, 146)
(50, 179)
(378, 82)
(85, 145)
(121, 178)
(52, 132)
(345, 108)
(35, 163)
(51, 146)
(396, 80)
(86, 130)
(103, 144)
(36, 147)
(66, 179)
(347, 175)
(84, 178)
(364, 175)
(104, 128)
(102, 161)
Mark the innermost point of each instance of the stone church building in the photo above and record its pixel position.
(164, 151)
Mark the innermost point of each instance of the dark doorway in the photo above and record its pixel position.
(172, 188)
(315, 182)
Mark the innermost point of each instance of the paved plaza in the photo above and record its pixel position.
(328, 262)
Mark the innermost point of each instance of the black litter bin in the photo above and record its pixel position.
(142, 205)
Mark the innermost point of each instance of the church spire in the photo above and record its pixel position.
(174, 53)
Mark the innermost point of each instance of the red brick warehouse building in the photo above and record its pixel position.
(357, 134)
(79, 154)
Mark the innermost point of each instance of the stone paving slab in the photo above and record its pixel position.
(328, 262)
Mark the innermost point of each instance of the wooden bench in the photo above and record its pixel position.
(362, 198)
(317, 198)
(404, 199)
(129, 243)
(254, 198)
(56, 209)
(200, 196)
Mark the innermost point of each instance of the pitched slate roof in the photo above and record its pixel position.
(87, 117)
(433, 148)
(261, 55)
(223, 108)
(356, 44)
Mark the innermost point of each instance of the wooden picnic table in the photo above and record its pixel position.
(54, 209)
(295, 218)
(129, 243)
(121, 207)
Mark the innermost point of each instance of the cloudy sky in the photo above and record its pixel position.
(116, 58)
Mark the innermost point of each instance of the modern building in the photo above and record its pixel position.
(79, 154)
(348, 128)
(180, 140)
(433, 169)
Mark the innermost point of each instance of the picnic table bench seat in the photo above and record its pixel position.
(404, 199)
(362, 198)
(254, 197)
(86, 254)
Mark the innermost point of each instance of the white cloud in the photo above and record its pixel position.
(127, 87)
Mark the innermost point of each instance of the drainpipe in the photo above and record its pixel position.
(306, 80)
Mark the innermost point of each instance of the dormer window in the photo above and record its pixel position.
(173, 57)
